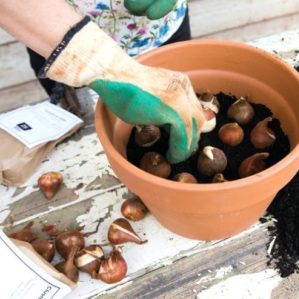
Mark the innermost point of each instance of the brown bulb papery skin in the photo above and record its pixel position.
(65, 241)
(185, 177)
(121, 231)
(241, 111)
(154, 163)
(211, 161)
(219, 178)
(68, 267)
(26, 234)
(49, 183)
(94, 250)
(253, 165)
(88, 263)
(231, 134)
(210, 120)
(261, 136)
(45, 248)
(134, 209)
(208, 100)
(113, 269)
(146, 136)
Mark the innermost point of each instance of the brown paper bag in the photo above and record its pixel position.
(18, 162)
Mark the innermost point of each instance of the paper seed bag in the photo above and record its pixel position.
(28, 135)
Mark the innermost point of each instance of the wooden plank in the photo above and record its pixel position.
(22, 94)
(5, 37)
(255, 30)
(15, 68)
(188, 277)
(211, 16)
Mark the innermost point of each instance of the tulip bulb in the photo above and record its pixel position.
(134, 209)
(113, 269)
(68, 268)
(146, 136)
(49, 183)
(26, 234)
(89, 259)
(45, 248)
(253, 164)
(65, 241)
(211, 161)
(261, 136)
(121, 231)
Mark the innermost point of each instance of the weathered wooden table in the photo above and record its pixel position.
(168, 266)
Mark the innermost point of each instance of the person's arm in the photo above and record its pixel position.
(40, 25)
(81, 54)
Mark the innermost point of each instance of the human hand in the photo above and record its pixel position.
(153, 9)
(136, 93)
(158, 97)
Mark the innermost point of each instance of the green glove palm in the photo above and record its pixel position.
(180, 114)
(153, 9)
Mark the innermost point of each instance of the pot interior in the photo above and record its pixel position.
(232, 68)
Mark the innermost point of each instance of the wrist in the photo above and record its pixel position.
(85, 54)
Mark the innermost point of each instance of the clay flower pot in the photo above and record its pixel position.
(213, 211)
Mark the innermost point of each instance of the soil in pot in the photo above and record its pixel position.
(235, 155)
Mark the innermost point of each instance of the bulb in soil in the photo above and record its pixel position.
(156, 164)
(231, 134)
(241, 111)
(185, 177)
(253, 165)
(210, 120)
(208, 100)
(146, 136)
(219, 178)
(261, 136)
(211, 161)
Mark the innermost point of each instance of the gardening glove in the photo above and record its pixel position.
(153, 9)
(138, 94)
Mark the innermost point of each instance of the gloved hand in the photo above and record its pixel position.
(153, 9)
(136, 93)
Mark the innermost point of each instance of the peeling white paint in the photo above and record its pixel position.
(219, 274)
(247, 286)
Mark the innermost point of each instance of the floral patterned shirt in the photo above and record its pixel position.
(134, 34)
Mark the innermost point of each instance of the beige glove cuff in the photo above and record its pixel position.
(90, 54)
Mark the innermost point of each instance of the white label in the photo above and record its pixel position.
(34, 125)
(21, 278)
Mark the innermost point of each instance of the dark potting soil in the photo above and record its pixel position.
(285, 209)
(235, 155)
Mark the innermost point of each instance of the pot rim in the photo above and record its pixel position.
(239, 183)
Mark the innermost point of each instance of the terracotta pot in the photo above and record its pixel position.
(213, 211)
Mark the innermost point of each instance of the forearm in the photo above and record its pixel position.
(40, 25)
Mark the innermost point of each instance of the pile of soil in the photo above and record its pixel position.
(235, 155)
(285, 230)
(285, 209)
